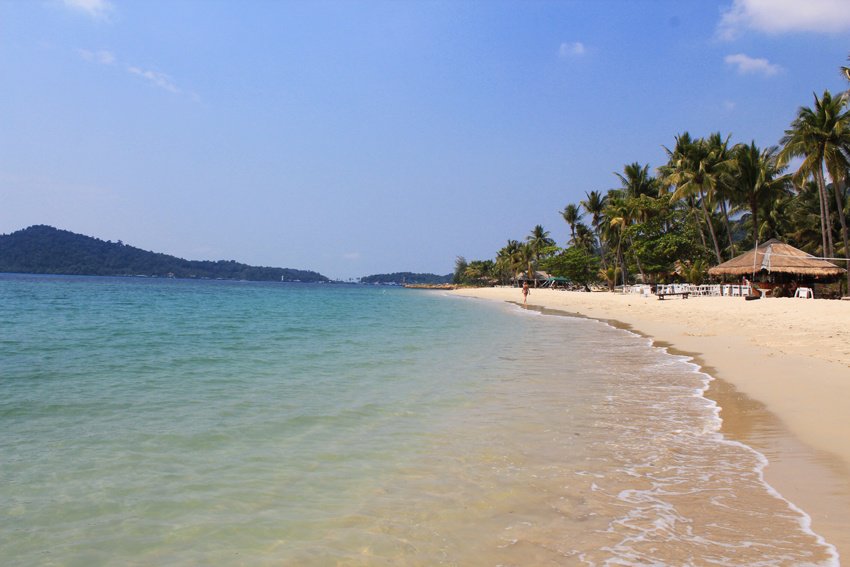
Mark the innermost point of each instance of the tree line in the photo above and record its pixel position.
(710, 201)
(406, 278)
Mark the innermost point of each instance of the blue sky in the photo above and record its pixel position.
(355, 138)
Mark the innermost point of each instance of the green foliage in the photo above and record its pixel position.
(662, 240)
(45, 250)
(476, 272)
(694, 272)
(576, 263)
(460, 270)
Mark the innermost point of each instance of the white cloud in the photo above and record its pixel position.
(160, 80)
(95, 8)
(157, 79)
(574, 49)
(747, 65)
(783, 16)
(101, 56)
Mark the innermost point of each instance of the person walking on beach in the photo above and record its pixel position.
(525, 293)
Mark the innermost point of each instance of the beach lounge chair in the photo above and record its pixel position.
(804, 293)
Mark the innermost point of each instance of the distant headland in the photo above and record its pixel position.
(42, 249)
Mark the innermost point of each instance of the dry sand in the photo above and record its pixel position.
(783, 380)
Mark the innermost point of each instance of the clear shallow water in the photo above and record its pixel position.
(176, 422)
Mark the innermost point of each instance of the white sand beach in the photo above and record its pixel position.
(783, 370)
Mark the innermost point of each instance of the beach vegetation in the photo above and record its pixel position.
(709, 201)
(576, 263)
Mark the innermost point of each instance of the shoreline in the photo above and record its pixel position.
(781, 377)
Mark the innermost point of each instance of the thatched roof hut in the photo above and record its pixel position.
(777, 257)
(538, 275)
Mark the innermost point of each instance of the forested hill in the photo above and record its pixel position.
(406, 278)
(47, 250)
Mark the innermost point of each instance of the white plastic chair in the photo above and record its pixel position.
(804, 293)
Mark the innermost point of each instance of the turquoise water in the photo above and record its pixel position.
(179, 422)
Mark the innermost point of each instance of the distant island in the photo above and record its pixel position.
(43, 249)
(403, 278)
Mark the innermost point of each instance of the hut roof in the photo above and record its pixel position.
(538, 275)
(776, 256)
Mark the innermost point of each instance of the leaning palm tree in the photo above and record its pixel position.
(821, 136)
(572, 214)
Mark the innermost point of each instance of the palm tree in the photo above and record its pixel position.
(622, 213)
(537, 241)
(821, 136)
(584, 238)
(758, 180)
(695, 169)
(509, 259)
(800, 217)
(528, 258)
(846, 71)
(594, 204)
(572, 214)
(637, 181)
(723, 190)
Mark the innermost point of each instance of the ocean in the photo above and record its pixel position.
(173, 422)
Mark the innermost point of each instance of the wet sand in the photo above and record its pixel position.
(782, 380)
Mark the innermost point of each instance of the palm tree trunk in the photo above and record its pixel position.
(840, 205)
(601, 246)
(693, 212)
(755, 218)
(637, 260)
(827, 224)
(728, 230)
(710, 229)
(822, 219)
(621, 259)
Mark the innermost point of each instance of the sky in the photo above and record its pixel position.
(362, 137)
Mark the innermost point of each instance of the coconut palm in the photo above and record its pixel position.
(537, 241)
(584, 237)
(509, 259)
(528, 258)
(799, 219)
(821, 136)
(594, 204)
(637, 181)
(572, 215)
(695, 169)
(723, 191)
(622, 213)
(758, 180)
